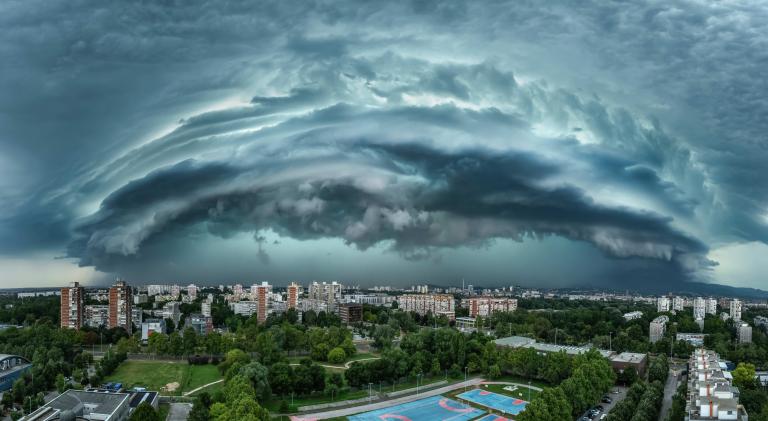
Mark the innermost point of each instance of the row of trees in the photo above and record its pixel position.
(642, 403)
(591, 378)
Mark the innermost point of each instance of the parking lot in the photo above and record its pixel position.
(616, 394)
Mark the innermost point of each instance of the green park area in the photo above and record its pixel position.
(167, 377)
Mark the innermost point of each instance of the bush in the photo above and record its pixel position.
(337, 355)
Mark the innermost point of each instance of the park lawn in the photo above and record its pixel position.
(211, 390)
(155, 375)
(499, 388)
(520, 380)
(200, 375)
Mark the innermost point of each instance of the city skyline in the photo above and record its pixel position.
(601, 146)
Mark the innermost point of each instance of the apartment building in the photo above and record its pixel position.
(662, 304)
(711, 306)
(745, 333)
(71, 310)
(485, 306)
(678, 303)
(260, 294)
(735, 310)
(328, 293)
(657, 328)
(120, 306)
(710, 393)
(633, 315)
(699, 308)
(424, 303)
(293, 294)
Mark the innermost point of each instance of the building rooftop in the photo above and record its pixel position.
(92, 404)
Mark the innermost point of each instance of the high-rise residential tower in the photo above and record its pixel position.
(120, 306)
(72, 310)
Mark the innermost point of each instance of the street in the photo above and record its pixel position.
(673, 381)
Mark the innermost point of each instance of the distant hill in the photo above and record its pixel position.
(701, 288)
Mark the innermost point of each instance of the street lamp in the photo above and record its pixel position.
(370, 396)
(529, 390)
(417, 383)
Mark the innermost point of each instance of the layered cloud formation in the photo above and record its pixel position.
(412, 129)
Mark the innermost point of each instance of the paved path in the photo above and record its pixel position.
(384, 404)
(349, 363)
(179, 412)
(202, 387)
(669, 391)
(345, 366)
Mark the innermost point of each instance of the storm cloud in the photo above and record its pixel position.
(416, 128)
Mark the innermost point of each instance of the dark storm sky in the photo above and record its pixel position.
(501, 142)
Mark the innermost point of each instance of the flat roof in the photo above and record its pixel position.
(100, 402)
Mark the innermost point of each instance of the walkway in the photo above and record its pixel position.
(384, 404)
(670, 388)
(345, 366)
(202, 387)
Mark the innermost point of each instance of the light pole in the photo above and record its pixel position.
(417, 383)
(370, 396)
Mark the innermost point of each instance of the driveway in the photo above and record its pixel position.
(179, 411)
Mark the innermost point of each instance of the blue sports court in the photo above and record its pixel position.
(495, 401)
(434, 408)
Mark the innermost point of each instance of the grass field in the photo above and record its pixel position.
(156, 375)
(520, 393)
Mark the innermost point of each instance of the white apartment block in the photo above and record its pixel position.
(735, 312)
(662, 304)
(192, 291)
(699, 308)
(205, 309)
(485, 306)
(244, 308)
(710, 393)
(633, 315)
(678, 303)
(329, 293)
(745, 333)
(425, 303)
(657, 328)
(372, 299)
(711, 306)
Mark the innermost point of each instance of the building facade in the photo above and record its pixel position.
(657, 328)
(711, 306)
(745, 334)
(485, 306)
(662, 304)
(292, 295)
(72, 310)
(425, 303)
(699, 308)
(350, 313)
(121, 306)
(735, 310)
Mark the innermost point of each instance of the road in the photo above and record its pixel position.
(179, 411)
(343, 412)
(617, 394)
(673, 380)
